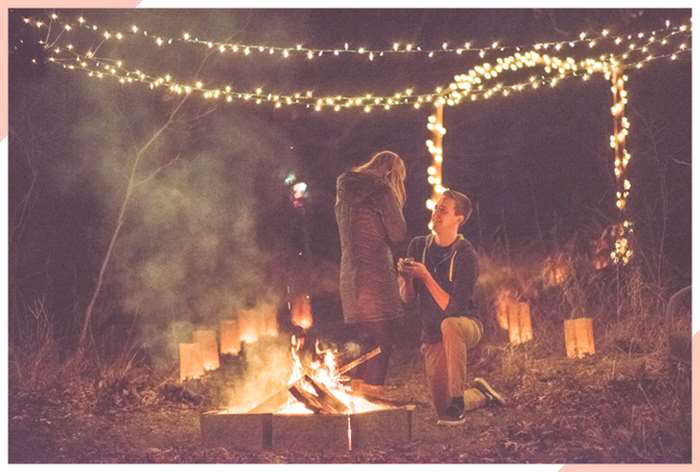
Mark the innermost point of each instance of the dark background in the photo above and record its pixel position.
(537, 165)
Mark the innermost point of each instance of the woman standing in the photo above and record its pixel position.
(368, 209)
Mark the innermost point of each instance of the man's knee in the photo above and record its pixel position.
(449, 327)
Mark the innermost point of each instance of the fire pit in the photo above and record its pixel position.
(315, 412)
(309, 432)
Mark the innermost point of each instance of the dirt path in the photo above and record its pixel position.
(601, 409)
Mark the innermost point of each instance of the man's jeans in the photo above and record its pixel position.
(446, 363)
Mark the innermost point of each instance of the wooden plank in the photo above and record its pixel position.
(236, 431)
(309, 400)
(272, 403)
(360, 360)
(321, 433)
(326, 397)
(381, 428)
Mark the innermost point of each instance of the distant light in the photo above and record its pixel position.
(300, 189)
(290, 179)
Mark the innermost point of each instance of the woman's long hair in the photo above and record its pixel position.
(390, 167)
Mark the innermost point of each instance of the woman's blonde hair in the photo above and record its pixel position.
(390, 167)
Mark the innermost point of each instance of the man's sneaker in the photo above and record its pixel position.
(454, 414)
(489, 392)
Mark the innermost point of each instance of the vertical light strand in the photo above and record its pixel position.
(436, 127)
(623, 250)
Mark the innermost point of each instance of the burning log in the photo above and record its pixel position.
(578, 336)
(360, 360)
(272, 403)
(208, 346)
(308, 399)
(325, 397)
(278, 399)
(230, 337)
(377, 394)
(191, 366)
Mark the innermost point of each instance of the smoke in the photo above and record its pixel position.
(193, 248)
(268, 365)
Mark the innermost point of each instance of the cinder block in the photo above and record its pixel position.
(236, 431)
(310, 432)
(381, 428)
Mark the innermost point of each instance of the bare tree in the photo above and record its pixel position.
(133, 183)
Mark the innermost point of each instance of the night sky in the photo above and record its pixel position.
(537, 165)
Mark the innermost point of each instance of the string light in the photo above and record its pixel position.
(370, 53)
(622, 252)
(470, 84)
(434, 145)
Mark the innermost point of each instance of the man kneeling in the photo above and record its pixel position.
(441, 270)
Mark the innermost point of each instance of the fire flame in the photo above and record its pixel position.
(323, 370)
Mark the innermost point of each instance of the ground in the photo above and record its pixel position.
(618, 407)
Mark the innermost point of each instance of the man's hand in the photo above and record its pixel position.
(405, 280)
(414, 270)
(410, 270)
(403, 268)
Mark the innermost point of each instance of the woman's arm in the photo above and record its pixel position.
(392, 217)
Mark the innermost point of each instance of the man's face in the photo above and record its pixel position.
(444, 217)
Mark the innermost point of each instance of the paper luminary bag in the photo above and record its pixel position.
(249, 325)
(555, 272)
(191, 365)
(267, 313)
(301, 311)
(519, 323)
(578, 337)
(208, 346)
(503, 299)
(230, 337)
(514, 316)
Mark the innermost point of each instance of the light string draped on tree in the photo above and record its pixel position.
(622, 252)
(299, 50)
(612, 69)
(452, 94)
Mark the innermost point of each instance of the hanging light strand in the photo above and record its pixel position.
(299, 50)
(469, 86)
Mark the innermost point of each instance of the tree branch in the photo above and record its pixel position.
(157, 171)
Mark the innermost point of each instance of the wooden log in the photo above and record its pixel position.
(374, 395)
(309, 400)
(360, 360)
(326, 397)
(272, 403)
(277, 400)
